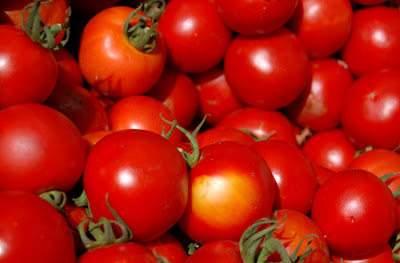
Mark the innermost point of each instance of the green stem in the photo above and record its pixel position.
(56, 198)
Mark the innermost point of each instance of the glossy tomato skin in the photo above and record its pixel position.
(49, 237)
(27, 76)
(110, 63)
(249, 17)
(219, 134)
(168, 246)
(374, 41)
(384, 255)
(293, 172)
(126, 252)
(146, 178)
(371, 111)
(355, 224)
(253, 67)
(323, 26)
(320, 104)
(195, 37)
(261, 123)
(40, 149)
(330, 149)
(69, 71)
(230, 188)
(217, 251)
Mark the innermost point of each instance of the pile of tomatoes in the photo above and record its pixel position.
(200, 131)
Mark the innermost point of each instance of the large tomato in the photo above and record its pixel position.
(374, 41)
(384, 255)
(267, 71)
(231, 187)
(217, 251)
(111, 63)
(31, 230)
(40, 149)
(371, 111)
(219, 134)
(27, 76)
(169, 247)
(195, 37)
(355, 222)
(146, 178)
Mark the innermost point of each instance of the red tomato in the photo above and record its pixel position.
(68, 68)
(217, 251)
(380, 162)
(320, 104)
(253, 67)
(195, 37)
(384, 255)
(125, 252)
(80, 106)
(354, 222)
(258, 17)
(323, 26)
(177, 91)
(261, 123)
(40, 149)
(32, 226)
(371, 111)
(369, 2)
(215, 95)
(219, 134)
(27, 76)
(330, 149)
(146, 178)
(142, 112)
(111, 63)
(323, 173)
(230, 187)
(294, 174)
(94, 137)
(169, 247)
(374, 41)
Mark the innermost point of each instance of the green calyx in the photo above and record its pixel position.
(38, 31)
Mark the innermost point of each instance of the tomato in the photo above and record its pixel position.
(32, 226)
(94, 137)
(215, 95)
(28, 76)
(371, 111)
(142, 112)
(250, 17)
(323, 173)
(125, 252)
(110, 63)
(68, 68)
(176, 90)
(330, 149)
(230, 187)
(40, 149)
(146, 178)
(374, 41)
(320, 104)
(253, 67)
(354, 222)
(195, 37)
(294, 174)
(219, 134)
(384, 255)
(169, 247)
(369, 2)
(80, 106)
(217, 251)
(380, 162)
(323, 26)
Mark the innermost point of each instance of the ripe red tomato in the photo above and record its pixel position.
(219, 134)
(261, 123)
(111, 63)
(320, 104)
(27, 76)
(142, 112)
(371, 111)
(330, 149)
(369, 2)
(217, 251)
(384, 255)
(374, 41)
(40, 149)
(169, 247)
(293, 172)
(31, 230)
(323, 26)
(230, 187)
(146, 178)
(68, 68)
(354, 222)
(195, 37)
(258, 17)
(253, 67)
